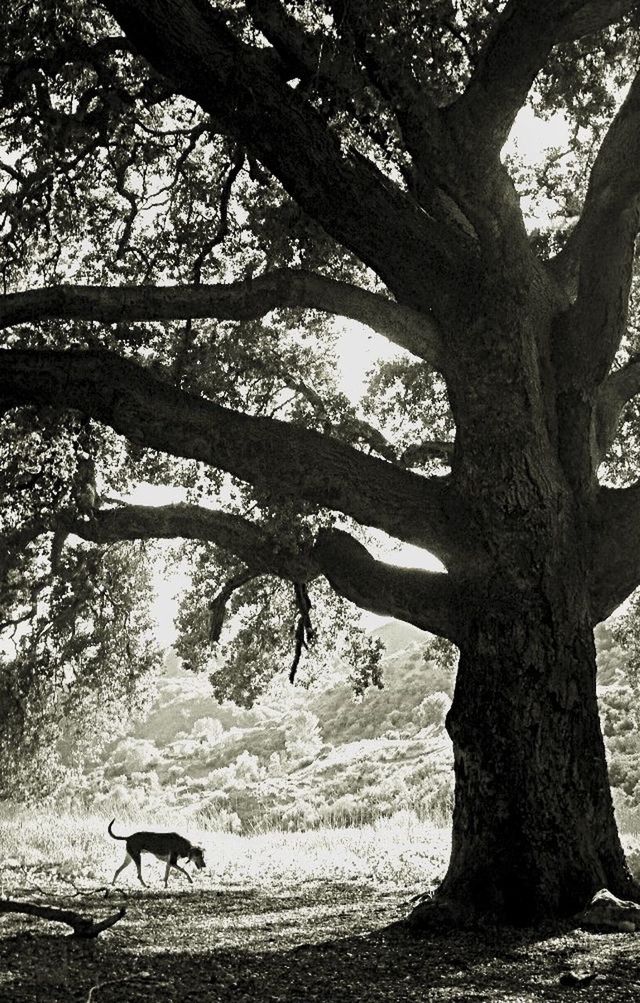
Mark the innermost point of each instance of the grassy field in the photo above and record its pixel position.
(280, 916)
(399, 850)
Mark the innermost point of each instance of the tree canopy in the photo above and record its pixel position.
(193, 192)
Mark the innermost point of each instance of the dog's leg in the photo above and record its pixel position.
(138, 862)
(125, 863)
(166, 873)
(182, 871)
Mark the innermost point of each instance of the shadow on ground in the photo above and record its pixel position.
(316, 943)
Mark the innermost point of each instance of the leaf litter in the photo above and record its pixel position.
(308, 942)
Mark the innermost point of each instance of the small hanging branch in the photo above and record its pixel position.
(218, 605)
(304, 632)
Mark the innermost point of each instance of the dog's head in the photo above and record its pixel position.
(196, 853)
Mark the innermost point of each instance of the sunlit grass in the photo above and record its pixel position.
(402, 851)
(398, 850)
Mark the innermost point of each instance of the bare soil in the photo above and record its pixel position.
(317, 942)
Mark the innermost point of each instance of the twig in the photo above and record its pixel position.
(140, 977)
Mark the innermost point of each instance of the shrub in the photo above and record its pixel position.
(207, 729)
(302, 736)
(135, 755)
(433, 709)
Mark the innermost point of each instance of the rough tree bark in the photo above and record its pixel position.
(526, 347)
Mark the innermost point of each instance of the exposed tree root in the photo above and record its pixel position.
(83, 926)
(433, 913)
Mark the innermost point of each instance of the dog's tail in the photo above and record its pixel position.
(112, 833)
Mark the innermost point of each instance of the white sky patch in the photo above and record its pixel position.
(359, 348)
(531, 135)
(156, 494)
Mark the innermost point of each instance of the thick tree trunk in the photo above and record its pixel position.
(534, 833)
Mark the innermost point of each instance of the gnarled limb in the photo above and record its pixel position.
(598, 258)
(243, 300)
(285, 460)
(426, 599)
(614, 393)
(248, 99)
(514, 53)
(246, 540)
(512, 56)
(615, 549)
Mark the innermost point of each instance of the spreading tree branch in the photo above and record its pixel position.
(392, 76)
(601, 249)
(619, 388)
(426, 599)
(244, 300)
(260, 551)
(352, 572)
(593, 16)
(615, 549)
(306, 55)
(513, 54)
(285, 460)
(195, 50)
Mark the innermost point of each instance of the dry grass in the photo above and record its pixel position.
(401, 849)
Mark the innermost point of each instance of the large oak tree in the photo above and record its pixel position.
(188, 183)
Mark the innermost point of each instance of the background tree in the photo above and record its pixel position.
(184, 182)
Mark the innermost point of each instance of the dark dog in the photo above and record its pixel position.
(167, 846)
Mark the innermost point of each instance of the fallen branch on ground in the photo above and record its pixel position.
(83, 926)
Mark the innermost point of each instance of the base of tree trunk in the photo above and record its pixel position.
(436, 912)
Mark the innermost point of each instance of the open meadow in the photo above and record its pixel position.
(289, 916)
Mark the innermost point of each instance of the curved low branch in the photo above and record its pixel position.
(259, 550)
(84, 927)
(615, 549)
(244, 300)
(285, 460)
(422, 598)
(426, 599)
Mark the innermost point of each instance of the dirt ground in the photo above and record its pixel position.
(317, 942)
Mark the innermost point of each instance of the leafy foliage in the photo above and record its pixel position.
(76, 668)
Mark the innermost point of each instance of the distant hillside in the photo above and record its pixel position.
(297, 758)
(301, 757)
(396, 635)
